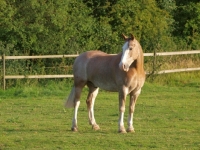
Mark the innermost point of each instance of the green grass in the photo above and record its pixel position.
(165, 118)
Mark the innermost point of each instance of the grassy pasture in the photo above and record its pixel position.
(165, 118)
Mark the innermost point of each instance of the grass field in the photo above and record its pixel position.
(166, 117)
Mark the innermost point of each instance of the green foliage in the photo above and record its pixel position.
(145, 20)
(45, 27)
(65, 27)
(187, 26)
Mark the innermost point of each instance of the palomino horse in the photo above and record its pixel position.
(123, 73)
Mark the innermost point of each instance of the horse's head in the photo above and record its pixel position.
(130, 52)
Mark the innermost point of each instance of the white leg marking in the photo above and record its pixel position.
(130, 120)
(121, 119)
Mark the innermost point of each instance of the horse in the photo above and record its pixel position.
(122, 73)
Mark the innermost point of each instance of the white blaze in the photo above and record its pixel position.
(126, 59)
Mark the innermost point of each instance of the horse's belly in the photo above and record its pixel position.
(106, 86)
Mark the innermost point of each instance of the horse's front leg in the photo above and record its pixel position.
(133, 99)
(122, 101)
(90, 106)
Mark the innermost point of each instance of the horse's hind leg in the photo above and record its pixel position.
(78, 90)
(93, 91)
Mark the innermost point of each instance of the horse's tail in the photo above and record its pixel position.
(70, 100)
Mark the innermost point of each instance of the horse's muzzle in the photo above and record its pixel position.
(124, 67)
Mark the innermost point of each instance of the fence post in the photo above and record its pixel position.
(154, 62)
(4, 72)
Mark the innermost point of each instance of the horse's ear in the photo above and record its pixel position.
(125, 37)
(132, 37)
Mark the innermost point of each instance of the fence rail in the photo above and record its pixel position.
(75, 55)
(39, 57)
(37, 76)
(4, 58)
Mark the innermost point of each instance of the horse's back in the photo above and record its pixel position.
(83, 60)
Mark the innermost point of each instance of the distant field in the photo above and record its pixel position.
(165, 118)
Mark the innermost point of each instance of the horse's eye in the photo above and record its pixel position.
(130, 48)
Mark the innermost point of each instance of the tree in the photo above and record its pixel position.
(145, 20)
(142, 18)
(187, 26)
(45, 27)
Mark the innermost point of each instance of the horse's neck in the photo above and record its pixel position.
(138, 64)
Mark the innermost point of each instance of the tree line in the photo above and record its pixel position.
(42, 27)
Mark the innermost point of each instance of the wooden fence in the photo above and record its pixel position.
(4, 58)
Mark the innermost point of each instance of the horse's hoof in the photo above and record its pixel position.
(131, 130)
(122, 131)
(74, 129)
(95, 127)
